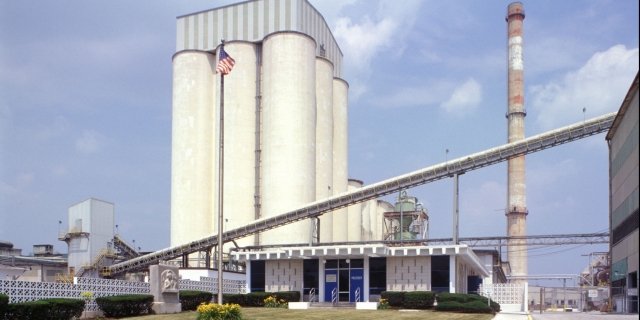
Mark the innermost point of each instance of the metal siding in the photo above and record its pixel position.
(276, 14)
(205, 31)
(237, 29)
(288, 13)
(196, 31)
(245, 21)
(191, 32)
(179, 34)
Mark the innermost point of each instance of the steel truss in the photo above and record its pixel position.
(426, 175)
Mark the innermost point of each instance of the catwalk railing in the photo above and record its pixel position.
(125, 248)
(423, 176)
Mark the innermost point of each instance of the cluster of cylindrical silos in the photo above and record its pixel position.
(285, 139)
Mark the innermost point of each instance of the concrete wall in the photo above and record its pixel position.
(354, 213)
(408, 273)
(283, 275)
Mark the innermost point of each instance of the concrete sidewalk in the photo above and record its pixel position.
(511, 316)
(581, 315)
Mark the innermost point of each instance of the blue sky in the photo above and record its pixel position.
(85, 109)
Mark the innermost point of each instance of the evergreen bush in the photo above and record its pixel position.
(4, 302)
(191, 299)
(418, 299)
(125, 305)
(395, 298)
(449, 306)
(34, 310)
(476, 307)
(64, 309)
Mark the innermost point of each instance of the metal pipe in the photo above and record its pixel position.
(426, 175)
(455, 209)
(256, 194)
(221, 184)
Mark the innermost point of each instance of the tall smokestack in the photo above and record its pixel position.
(516, 211)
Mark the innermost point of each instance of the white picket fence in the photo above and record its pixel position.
(24, 291)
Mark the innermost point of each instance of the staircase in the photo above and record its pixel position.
(330, 305)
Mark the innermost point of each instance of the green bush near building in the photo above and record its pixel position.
(468, 303)
(46, 309)
(125, 305)
(4, 302)
(191, 299)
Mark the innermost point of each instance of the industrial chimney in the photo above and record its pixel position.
(516, 210)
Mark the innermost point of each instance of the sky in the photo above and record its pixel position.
(85, 110)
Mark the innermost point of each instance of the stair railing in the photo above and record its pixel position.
(312, 295)
(358, 294)
(334, 295)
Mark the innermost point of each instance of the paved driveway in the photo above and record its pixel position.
(581, 316)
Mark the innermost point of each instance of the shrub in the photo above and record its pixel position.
(449, 306)
(4, 301)
(125, 305)
(191, 299)
(384, 304)
(256, 299)
(288, 296)
(474, 297)
(64, 309)
(211, 311)
(273, 302)
(418, 299)
(395, 298)
(27, 310)
(476, 307)
(457, 297)
(239, 299)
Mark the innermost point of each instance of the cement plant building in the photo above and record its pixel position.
(285, 146)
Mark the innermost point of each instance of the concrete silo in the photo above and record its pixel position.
(193, 146)
(366, 221)
(340, 154)
(240, 137)
(324, 141)
(354, 213)
(289, 132)
(383, 206)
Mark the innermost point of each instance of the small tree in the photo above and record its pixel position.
(87, 296)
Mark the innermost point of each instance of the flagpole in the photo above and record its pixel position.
(221, 185)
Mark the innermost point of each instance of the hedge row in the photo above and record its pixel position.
(256, 299)
(412, 300)
(191, 299)
(4, 302)
(466, 298)
(125, 305)
(467, 307)
(49, 309)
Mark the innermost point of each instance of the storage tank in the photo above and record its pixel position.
(193, 146)
(340, 155)
(289, 131)
(354, 212)
(324, 141)
(239, 138)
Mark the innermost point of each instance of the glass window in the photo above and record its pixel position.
(257, 276)
(331, 264)
(357, 263)
(440, 273)
(377, 275)
(310, 276)
(343, 264)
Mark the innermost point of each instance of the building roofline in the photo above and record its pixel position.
(623, 108)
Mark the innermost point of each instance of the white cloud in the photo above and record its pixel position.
(90, 142)
(22, 182)
(464, 99)
(428, 94)
(361, 41)
(599, 86)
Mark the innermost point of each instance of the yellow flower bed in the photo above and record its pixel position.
(212, 311)
(271, 302)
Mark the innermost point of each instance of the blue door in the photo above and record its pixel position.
(330, 283)
(356, 280)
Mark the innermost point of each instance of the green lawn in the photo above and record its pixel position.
(283, 314)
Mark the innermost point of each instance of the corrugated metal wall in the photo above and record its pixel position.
(252, 21)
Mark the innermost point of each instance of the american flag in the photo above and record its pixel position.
(225, 64)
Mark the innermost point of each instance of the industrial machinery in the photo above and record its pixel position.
(408, 221)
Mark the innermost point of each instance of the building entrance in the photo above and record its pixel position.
(344, 278)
